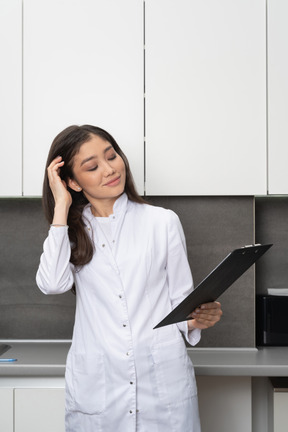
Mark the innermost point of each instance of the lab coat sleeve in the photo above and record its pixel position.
(55, 275)
(179, 274)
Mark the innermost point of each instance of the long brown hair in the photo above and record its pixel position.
(67, 144)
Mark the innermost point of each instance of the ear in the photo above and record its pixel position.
(74, 185)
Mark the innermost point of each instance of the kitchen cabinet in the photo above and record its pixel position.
(32, 403)
(277, 64)
(38, 409)
(205, 97)
(280, 404)
(11, 97)
(230, 396)
(6, 409)
(83, 63)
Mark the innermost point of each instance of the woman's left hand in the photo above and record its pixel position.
(205, 316)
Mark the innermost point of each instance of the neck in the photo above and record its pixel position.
(104, 208)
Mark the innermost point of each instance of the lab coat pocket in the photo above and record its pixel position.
(174, 372)
(89, 383)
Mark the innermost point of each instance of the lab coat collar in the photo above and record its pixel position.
(120, 206)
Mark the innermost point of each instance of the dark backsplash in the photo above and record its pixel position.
(213, 227)
(271, 221)
(26, 313)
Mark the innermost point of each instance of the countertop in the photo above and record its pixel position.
(48, 358)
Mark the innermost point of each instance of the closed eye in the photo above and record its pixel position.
(112, 157)
(93, 169)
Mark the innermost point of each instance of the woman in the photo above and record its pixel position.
(127, 261)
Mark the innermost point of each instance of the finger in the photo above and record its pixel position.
(207, 314)
(211, 305)
(207, 318)
(56, 164)
(53, 169)
(201, 324)
(207, 321)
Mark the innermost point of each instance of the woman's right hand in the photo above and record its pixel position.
(62, 196)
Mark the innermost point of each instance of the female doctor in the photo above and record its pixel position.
(127, 262)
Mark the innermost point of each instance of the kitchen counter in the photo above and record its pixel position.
(48, 358)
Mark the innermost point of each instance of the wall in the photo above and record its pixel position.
(213, 227)
(271, 222)
(26, 313)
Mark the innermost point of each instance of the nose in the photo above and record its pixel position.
(108, 169)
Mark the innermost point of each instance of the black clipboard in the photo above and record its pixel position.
(221, 278)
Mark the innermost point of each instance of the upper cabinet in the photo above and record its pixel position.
(210, 126)
(205, 97)
(277, 55)
(11, 97)
(83, 64)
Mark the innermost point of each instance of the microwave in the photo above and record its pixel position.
(271, 320)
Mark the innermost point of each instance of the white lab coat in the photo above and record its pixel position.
(122, 375)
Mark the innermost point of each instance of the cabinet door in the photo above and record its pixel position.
(205, 97)
(280, 404)
(6, 410)
(277, 96)
(11, 97)
(225, 403)
(39, 410)
(83, 64)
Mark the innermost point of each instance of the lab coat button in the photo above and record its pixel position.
(124, 325)
(131, 382)
(131, 412)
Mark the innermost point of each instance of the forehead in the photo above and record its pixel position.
(94, 147)
(95, 144)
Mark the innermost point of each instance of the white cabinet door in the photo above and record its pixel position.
(205, 97)
(277, 31)
(39, 410)
(6, 410)
(11, 97)
(83, 64)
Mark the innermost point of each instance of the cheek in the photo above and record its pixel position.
(122, 167)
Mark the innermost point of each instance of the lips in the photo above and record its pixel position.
(113, 182)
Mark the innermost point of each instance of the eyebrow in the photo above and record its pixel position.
(95, 157)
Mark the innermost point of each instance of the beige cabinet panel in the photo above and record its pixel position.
(39, 410)
(6, 409)
(225, 403)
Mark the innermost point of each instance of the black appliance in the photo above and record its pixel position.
(271, 320)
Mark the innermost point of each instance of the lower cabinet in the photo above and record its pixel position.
(280, 411)
(6, 410)
(39, 410)
(225, 403)
(33, 409)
